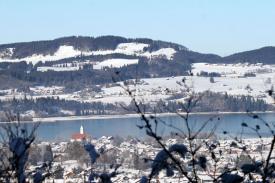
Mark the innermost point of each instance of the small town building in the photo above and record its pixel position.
(81, 136)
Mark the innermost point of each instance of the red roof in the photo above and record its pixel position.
(79, 136)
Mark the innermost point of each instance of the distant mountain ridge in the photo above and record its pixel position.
(20, 51)
(265, 55)
(25, 49)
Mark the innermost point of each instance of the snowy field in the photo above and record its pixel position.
(233, 69)
(53, 68)
(151, 90)
(65, 51)
(115, 63)
(231, 81)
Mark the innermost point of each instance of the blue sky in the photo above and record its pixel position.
(210, 26)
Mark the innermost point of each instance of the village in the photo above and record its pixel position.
(134, 157)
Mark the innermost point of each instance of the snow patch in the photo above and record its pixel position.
(7, 53)
(53, 68)
(61, 53)
(115, 63)
(131, 48)
(65, 51)
(232, 69)
(166, 52)
(138, 50)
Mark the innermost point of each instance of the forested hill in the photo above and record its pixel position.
(86, 46)
(263, 55)
(90, 60)
(69, 47)
(75, 75)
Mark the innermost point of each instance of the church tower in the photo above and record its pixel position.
(81, 130)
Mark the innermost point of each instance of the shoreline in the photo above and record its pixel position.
(122, 116)
(118, 116)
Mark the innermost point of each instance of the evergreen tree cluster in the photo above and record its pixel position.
(211, 102)
(53, 106)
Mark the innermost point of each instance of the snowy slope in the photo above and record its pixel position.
(61, 53)
(115, 63)
(232, 82)
(138, 49)
(7, 53)
(151, 90)
(131, 48)
(58, 69)
(69, 51)
(233, 69)
(166, 52)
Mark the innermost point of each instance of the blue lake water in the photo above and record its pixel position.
(62, 130)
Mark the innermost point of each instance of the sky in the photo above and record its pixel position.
(209, 26)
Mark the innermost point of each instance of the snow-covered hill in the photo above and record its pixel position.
(70, 47)
(84, 70)
(55, 50)
(151, 90)
(69, 52)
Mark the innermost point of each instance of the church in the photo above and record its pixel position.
(81, 136)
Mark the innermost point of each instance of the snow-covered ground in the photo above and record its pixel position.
(151, 90)
(7, 53)
(128, 152)
(138, 49)
(232, 82)
(53, 68)
(166, 52)
(115, 63)
(233, 69)
(65, 51)
(34, 92)
(131, 48)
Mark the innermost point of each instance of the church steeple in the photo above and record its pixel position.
(80, 136)
(81, 130)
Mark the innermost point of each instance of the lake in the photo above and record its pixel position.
(62, 130)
